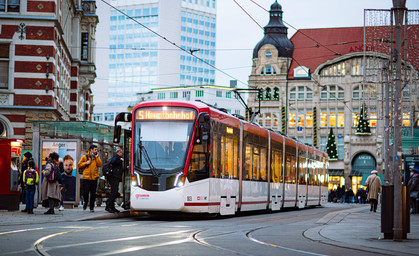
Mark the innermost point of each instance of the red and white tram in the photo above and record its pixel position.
(191, 157)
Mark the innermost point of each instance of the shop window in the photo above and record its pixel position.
(341, 118)
(309, 119)
(355, 117)
(406, 117)
(323, 118)
(372, 115)
(292, 119)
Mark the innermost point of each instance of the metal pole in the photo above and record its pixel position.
(398, 9)
(386, 124)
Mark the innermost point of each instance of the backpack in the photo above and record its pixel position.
(53, 175)
(82, 169)
(30, 177)
(107, 168)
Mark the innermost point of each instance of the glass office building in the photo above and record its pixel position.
(140, 58)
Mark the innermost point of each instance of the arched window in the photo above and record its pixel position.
(268, 71)
(268, 95)
(276, 94)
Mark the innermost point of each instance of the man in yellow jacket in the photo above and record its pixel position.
(90, 163)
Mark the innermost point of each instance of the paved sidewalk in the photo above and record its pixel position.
(75, 214)
(360, 229)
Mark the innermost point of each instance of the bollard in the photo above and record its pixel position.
(387, 208)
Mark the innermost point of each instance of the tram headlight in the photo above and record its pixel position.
(179, 180)
(135, 179)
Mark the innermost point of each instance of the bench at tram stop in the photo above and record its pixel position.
(103, 191)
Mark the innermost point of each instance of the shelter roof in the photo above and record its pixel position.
(77, 129)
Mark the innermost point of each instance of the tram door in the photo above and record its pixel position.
(126, 182)
(302, 182)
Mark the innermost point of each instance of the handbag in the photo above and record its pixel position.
(414, 194)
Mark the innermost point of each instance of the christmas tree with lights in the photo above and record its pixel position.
(332, 150)
(363, 124)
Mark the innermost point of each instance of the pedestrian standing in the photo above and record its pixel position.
(50, 188)
(414, 190)
(114, 178)
(30, 179)
(90, 163)
(373, 184)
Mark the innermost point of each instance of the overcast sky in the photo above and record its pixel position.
(237, 33)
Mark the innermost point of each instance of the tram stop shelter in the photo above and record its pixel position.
(74, 138)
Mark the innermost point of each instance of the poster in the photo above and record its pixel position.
(68, 151)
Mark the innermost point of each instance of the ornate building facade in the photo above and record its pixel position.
(47, 63)
(319, 80)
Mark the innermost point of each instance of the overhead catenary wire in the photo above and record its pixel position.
(173, 43)
(250, 16)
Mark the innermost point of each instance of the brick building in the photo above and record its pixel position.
(47, 63)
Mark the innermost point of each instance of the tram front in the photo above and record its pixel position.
(161, 140)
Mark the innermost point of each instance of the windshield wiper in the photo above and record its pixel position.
(148, 160)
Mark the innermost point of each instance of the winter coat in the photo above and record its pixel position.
(117, 166)
(414, 183)
(373, 184)
(91, 171)
(50, 189)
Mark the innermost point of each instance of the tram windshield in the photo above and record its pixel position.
(161, 137)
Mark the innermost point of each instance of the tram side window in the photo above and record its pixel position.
(302, 170)
(310, 172)
(290, 169)
(276, 166)
(215, 156)
(263, 164)
(198, 167)
(229, 157)
(316, 176)
(248, 162)
(256, 164)
(325, 177)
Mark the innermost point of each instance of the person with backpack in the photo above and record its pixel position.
(50, 189)
(30, 179)
(89, 163)
(114, 177)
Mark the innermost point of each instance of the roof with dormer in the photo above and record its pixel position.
(313, 47)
